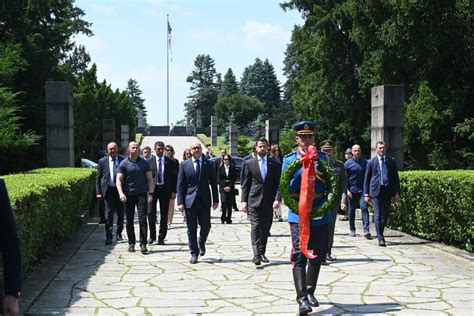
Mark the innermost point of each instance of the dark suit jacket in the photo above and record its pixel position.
(189, 186)
(170, 176)
(225, 180)
(103, 175)
(9, 245)
(255, 191)
(242, 168)
(372, 177)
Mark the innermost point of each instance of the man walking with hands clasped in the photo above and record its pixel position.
(260, 195)
(194, 198)
(380, 186)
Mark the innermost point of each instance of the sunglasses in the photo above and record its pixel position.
(226, 159)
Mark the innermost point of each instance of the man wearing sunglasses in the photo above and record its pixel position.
(194, 198)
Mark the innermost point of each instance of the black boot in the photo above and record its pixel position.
(299, 277)
(311, 281)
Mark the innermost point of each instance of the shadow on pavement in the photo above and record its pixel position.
(359, 309)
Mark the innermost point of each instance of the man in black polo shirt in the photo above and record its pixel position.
(134, 179)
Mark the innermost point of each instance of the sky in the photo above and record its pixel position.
(130, 41)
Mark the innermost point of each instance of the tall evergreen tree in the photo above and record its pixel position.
(134, 93)
(204, 90)
(259, 81)
(229, 85)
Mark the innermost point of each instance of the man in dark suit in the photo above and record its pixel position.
(11, 254)
(381, 184)
(260, 195)
(165, 177)
(242, 169)
(194, 197)
(107, 190)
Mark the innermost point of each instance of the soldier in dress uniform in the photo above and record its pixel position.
(327, 147)
(305, 275)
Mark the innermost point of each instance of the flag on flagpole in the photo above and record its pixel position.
(170, 37)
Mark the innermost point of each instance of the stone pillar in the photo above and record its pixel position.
(59, 124)
(124, 135)
(272, 131)
(233, 139)
(388, 120)
(213, 130)
(108, 132)
(198, 119)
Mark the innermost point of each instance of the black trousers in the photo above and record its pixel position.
(138, 201)
(227, 201)
(381, 205)
(332, 227)
(261, 220)
(113, 205)
(318, 241)
(197, 214)
(159, 195)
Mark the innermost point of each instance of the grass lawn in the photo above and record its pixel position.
(207, 141)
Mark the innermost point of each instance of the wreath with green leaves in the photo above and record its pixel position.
(329, 177)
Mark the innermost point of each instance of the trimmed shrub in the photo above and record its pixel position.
(436, 205)
(47, 204)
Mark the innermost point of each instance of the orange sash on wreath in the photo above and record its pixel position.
(305, 205)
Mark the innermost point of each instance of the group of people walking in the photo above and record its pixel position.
(196, 183)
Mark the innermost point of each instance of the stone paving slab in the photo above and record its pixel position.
(409, 277)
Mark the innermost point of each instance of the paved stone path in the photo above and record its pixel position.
(409, 277)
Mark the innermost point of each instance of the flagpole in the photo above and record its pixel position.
(167, 73)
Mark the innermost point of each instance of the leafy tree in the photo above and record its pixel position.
(346, 47)
(204, 90)
(229, 85)
(134, 93)
(259, 81)
(41, 36)
(241, 108)
(78, 61)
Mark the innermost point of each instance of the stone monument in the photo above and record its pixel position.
(213, 130)
(59, 124)
(108, 132)
(272, 131)
(388, 120)
(124, 135)
(233, 139)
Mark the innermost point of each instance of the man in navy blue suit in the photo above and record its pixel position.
(381, 184)
(106, 189)
(11, 254)
(194, 198)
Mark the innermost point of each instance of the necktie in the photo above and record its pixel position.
(198, 168)
(263, 168)
(115, 162)
(384, 172)
(160, 171)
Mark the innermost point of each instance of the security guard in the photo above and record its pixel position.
(305, 279)
(327, 147)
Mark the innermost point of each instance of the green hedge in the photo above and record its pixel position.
(437, 205)
(46, 204)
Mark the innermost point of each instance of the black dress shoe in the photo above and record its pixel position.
(257, 260)
(108, 241)
(222, 221)
(330, 259)
(202, 249)
(228, 221)
(131, 248)
(312, 300)
(368, 236)
(119, 237)
(161, 242)
(194, 259)
(382, 243)
(265, 259)
(151, 241)
(143, 249)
